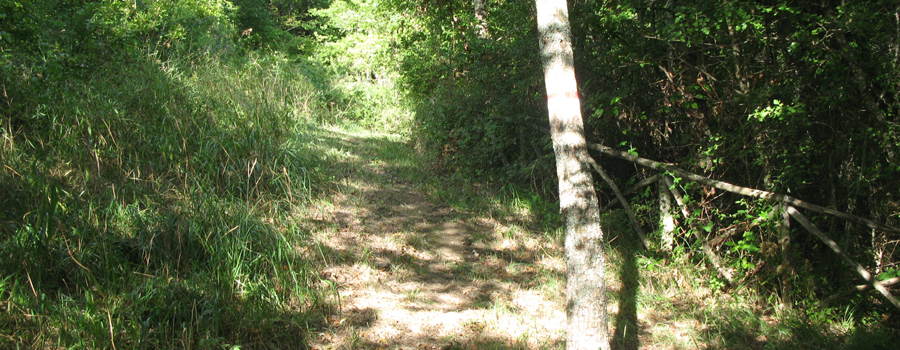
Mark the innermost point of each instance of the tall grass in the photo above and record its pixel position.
(153, 205)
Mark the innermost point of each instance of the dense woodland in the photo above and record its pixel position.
(159, 138)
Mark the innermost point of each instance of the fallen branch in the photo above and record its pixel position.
(865, 287)
(840, 252)
(740, 189)
(631, 189)
(859, 289)
(634, 222)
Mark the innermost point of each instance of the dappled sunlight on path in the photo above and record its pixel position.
(414, 274)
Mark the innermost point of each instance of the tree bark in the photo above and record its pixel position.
(586, 300)
(481, 18)
(786, 269)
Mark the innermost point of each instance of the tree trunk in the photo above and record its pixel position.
(786, 269)
(586, 305)
(666, 219)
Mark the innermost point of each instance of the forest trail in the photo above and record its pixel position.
(415, 274)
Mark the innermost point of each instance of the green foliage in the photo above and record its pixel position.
(889, 273)
(358, 54)
(190, 26)
(479, 99)
(791, 97)
(259, 25)
(363, 39)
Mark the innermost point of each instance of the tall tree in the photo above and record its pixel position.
(586, 304)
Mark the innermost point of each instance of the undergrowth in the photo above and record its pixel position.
(670, 301)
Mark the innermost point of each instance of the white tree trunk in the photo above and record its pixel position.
(666, 219)
(586, 300)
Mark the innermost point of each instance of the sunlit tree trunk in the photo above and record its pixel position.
(586, 301)
(666, 219)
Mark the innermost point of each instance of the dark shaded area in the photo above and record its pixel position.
(757, 94)
(733, 328)
(627, 328)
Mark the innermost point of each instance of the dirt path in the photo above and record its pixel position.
(407, 271)
(414, 274)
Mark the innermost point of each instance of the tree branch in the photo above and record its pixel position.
(859, 289)
(740, 189)
(634, 222)
(636, 186)
(840, 252)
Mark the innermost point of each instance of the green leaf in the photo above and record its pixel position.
(633, 152)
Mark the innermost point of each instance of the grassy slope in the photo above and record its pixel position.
(154, 205)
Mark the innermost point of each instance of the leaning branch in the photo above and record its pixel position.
(859, 289)
(865, 287)
(840, 252)
(634, 221)
(740, 189)
(636, 186)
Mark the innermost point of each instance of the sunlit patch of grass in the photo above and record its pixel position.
(415, 295)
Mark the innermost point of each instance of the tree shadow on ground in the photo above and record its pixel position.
(626, 326)
(745, 329)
